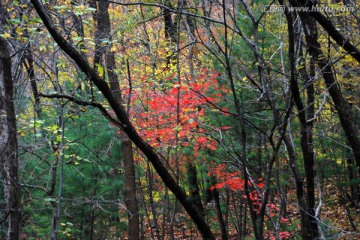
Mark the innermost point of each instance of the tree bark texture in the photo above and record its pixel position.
(8, 143)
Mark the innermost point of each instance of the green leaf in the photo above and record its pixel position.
(15, 20)
(90, 9)
(49, 199)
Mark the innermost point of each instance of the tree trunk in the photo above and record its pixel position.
(103, 32)
(130, 189)
(30, 70)
(194, 186)
(169, 24)
(310, 223)
(341, 105)
(8, 143)
(219, 216)
(333, 32)
(298, 185)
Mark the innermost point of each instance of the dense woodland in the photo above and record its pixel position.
(187, 119)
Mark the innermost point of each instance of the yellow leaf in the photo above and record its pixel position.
(113, 48)
(5, 35)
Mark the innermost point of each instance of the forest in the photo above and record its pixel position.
(186, 119)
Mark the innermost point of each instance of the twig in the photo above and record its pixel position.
(85, 103)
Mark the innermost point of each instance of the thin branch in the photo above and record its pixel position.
(227, 112)
(85, 103)
(330, 29)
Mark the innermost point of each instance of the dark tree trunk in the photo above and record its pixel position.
(103, 32)
(170, 25)
(341, 105)
(194, 186)
(324, 21)
(310, 224)
(354, 189)
(298, 186)
(30, 70)
(8, 143)
(215, 196)
(130, 190)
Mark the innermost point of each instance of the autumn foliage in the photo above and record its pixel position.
(174, 116)
(221, 118)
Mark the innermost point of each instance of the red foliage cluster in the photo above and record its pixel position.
(231, 180)
(174, 116)
(234, 182)
(282, 235)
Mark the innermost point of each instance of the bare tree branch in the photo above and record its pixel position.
(85, 103)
